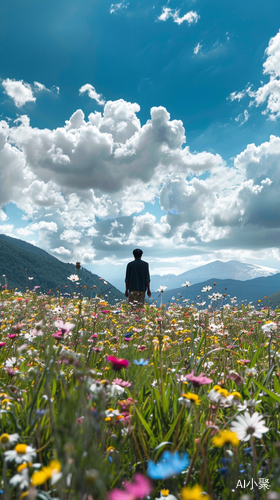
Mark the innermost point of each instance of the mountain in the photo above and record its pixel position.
(249, 290)
(232, 269)
(20, 261)
(272, 300)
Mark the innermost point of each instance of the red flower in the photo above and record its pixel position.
(118, 363)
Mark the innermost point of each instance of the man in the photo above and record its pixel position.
(137, 279)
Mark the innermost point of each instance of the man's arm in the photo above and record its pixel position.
(148, 281)
(127, 276)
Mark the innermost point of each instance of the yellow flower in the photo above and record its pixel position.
(21, 448)
(194, 493)
(236, 395)
(225, 437)
(164, 493)
(23, 495)
(192, 397)
(4, 438)
(41, 476)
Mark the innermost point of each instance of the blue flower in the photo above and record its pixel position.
(169, 465)
(223, 471)
(141, 362)
(128, 335)
(248, 450)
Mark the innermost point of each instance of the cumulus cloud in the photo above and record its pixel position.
(86, 187)
(92, 93)
(22, 92)
(109, 152)
(61, 251)
(191, 17)
(19, 91)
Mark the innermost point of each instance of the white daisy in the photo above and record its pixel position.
(21, 453)
(21, 479)
(112, 413)
(246, 426)
(7, 440)
(74, 277)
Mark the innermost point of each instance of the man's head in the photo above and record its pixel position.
(137, 253)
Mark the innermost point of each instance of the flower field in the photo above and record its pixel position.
(112, 402)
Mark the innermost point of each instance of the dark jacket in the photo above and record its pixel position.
(137, 275)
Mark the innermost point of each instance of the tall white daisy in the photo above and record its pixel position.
(21, 453)
(246, 426)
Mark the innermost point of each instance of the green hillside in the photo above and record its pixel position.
(272, 300)
(20, 260)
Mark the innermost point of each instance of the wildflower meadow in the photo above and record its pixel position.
(119, 402)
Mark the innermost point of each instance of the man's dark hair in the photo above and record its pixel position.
(137, 253)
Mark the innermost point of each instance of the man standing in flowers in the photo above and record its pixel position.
(137, 279)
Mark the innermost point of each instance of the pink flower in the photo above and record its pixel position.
(57, 335)
(64, 327)
(2, 344)
(198, 381)
(142, 347)
(122, 383)
(139, 489)
(118, 363)
(12, 335)
(236, 377)
(94, 336)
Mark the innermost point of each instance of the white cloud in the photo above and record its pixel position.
(3, 216)
(71, 236)
(92, 93)
(39, 87)
(84, 184)
(243, 117)
(7, 229)
(61, 251)
(146, 227)
(191, 17)
(22, 92)
(118, 7)
(24, 231)
(238, 95)
(43, 226)
(109, 152)
(268, 93)
(19, 91)
(197, 48)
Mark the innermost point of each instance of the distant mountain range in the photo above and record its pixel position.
(247, 291)
(232, 269)
(20, 261)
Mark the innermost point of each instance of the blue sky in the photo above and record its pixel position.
(151, 124)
